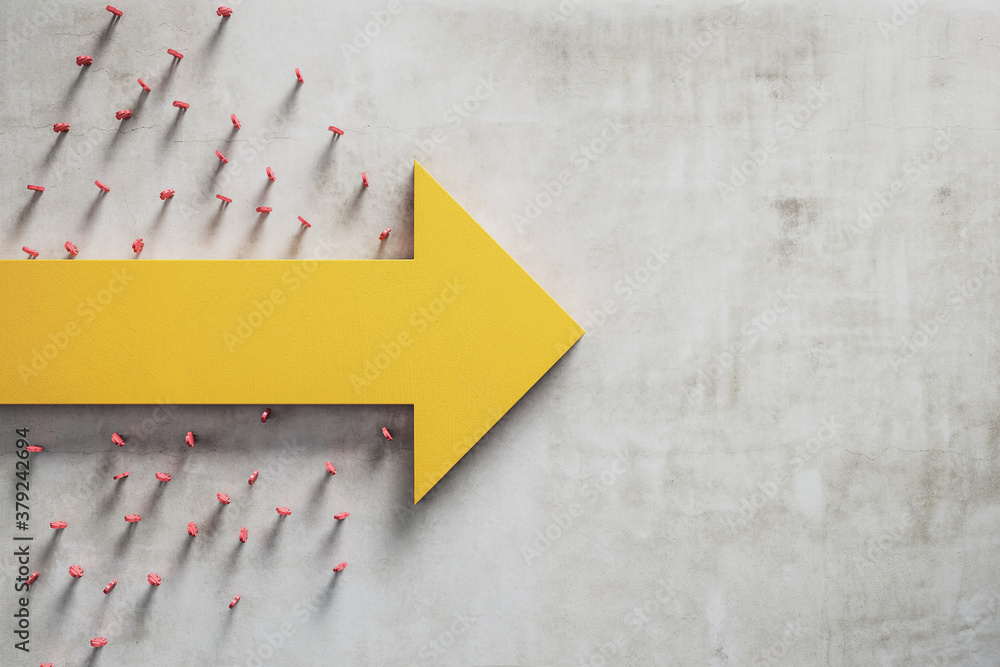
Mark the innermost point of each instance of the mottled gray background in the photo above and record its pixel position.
(775, 444)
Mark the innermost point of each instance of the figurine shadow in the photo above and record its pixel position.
(326, 598)
(95, 654)
(213, 520)
(331, 537)
(168, 76)
(213, 42)
(154, 501)
(145, 604)
(124, 540)
(271, 540)
(158, 221)
(324, 162)
(296, 243)
(46, 555)
(66, 599)
(111, 499)
(168, 136)
(60, 140)
(75, 87)
(88, 217)
(213, 225)
(185, 550)
(24, 216)
(232, 136)
(252, 235)
(102, 39)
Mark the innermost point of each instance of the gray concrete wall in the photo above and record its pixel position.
(775, 444)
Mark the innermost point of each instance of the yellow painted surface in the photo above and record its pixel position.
(460, 331)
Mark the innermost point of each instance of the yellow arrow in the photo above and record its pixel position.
(461, 332)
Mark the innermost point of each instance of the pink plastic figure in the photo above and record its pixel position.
(175, 54)
(30, 251)
(75, 571)
(121, 475)
(265, 415)
(223, 498)
(298, 75)
(235, 600)
(264, 209)
(225, 199)
(244, 535)
(32, 579)
(35, 448)
(137, 246)
(117, 12)
(283, 511)
(153, 579)
(58, 525)
(303, 221)
(189, 438)
(330, 469)
(385, 432)
(117, 439)
(37, 188)
(340, 567)
(253, 477)
(181, 105)
(133, 518)
(97, 642)
(60, 127)
(163, 477)
(384, 235)
(364, 178)
(192, 529)
(143, 84)
(46, 664)
(236, 121)
(71, 249)
(167, 194)
(270, 174)
(110, 587)
(336, 130)
(222, 157)
(123, 114)
(224, 12)
(341, 516)
(84, 61)
(102, 186)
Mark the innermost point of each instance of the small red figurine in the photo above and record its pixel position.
(298, 75)
(385, 432)
(58, 525)
(133, 518)
(71, 249)
(364, 178)
(121, 475)
(123, 114)
(253, 477)
(110, 587)
(223, 498)
(117, 12)
(102, 186)
(225, 12)
(117, 439)
(384, 235)
(235, 600)
(264, 209)
(84, 61)
(341, 516)
(32, 579)
(181, 105)
(192, 529)
(175, 54)
(167, 194)
(37, 188)
(330, 469)
(340, 567)
(236, 121)
(244, 535)
(283, 511)
(222, 157)
(225, 199)
(336, 130)
(143, 84)
(303, 221)
(263, 417)
(153, 579)
(60, 127)
(270, 175)
(75, 571)
(35, 448)
(137, 246)
(97, 642)
(189, 438)
(163, 477)
(30, 251)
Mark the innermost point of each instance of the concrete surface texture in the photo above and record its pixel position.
(775, 444)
